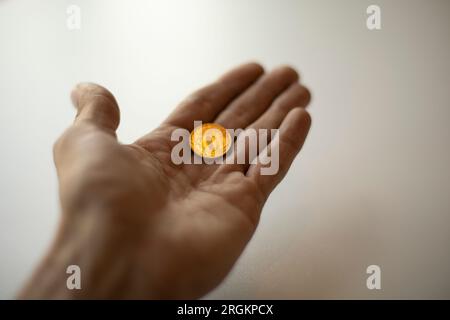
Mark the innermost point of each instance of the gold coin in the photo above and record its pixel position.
(210, 140)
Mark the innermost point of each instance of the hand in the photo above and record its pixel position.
(140, 226)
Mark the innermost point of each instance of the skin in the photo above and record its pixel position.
(142, 227)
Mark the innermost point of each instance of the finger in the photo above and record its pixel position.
(97, 111)
(283, 149)
(295, 96)
(95, 105)
(206, 103)
(251, 104)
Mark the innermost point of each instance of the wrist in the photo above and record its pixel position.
(80, 264)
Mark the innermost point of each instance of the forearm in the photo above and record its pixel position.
(88, 244)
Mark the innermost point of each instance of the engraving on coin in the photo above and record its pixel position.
(210, 140)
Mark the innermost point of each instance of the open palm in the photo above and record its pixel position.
(140, 226)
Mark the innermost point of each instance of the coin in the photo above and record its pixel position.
(210, 140)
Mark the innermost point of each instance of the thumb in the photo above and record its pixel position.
(97, 110)
(95, 105)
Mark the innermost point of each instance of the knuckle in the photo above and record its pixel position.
(61, 141)
(65, 139)
(57, 145)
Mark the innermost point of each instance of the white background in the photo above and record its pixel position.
(371, 185)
